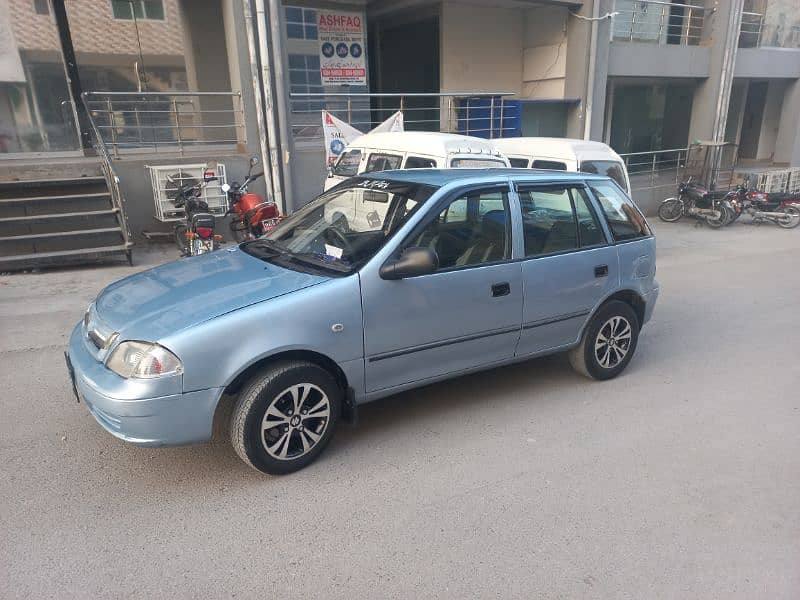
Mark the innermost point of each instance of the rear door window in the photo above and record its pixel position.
(552, 165)
(610, 168)
(383, 162)
(417, 162)
(624, 219)
(348, 162)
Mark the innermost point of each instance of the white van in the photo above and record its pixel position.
(413, 150)
(563, 154)
(359, 209)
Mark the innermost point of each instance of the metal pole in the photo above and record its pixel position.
(688, 25)
(273, 162)
(491, 117)
(450, 114)
(247, 13)
(283, 115)
(177, 125)
(587, 122)
(349, 111)
(71, 72)
(502, 117)
(113, 127)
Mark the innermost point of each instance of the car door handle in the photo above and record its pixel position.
(501, 289)
(601, 271)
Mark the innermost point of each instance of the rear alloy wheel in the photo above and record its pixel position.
(608, 343)
(285, 416)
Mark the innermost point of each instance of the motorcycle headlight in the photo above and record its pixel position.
(143, 360)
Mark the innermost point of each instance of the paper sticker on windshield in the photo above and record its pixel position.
(333, 251)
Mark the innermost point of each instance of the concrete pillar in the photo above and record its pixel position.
(712, 96)
(787, 144)
(579, 49)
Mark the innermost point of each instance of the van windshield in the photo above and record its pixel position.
(610, 168)
(343, 228)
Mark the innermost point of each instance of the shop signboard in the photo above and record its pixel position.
(341, 48)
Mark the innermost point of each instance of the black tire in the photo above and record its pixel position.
(721, 221)
(181, 242)
(670, 210)
(792, 219)
(584, 356)
(270, 389)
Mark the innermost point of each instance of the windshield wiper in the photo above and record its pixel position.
(315, 261)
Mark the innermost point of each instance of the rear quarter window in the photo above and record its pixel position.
(610, 168)
(624, 219)
(519, 163)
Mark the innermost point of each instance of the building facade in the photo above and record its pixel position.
(645, 76)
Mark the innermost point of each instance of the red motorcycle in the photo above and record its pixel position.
(783, 209)
(254, 215)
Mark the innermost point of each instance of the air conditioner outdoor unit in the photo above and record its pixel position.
(164, 190)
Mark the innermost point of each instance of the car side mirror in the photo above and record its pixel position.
(411, 262)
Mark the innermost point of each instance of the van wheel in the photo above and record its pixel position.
(285, 416)
(608, 343)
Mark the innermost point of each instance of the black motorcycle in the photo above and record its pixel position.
(714, 207)
(195, 235)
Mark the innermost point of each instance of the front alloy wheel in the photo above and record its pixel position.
(284, 416)
(295, 421)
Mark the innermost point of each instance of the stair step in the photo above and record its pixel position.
(64, 253)
(88, 213)
(52, 181)
(58, 197)
(36, 236)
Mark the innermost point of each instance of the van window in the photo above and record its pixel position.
(415, 162)
(624, 219)
(519, 163)
(348, 162)
(552, 165)
(609, 168)
(383, 162)
(475, 163)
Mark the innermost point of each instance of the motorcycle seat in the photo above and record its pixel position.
(203, 219)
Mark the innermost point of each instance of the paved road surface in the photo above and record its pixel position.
(680, 479)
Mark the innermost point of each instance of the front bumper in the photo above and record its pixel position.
(172, 419)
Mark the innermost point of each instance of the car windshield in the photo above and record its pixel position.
(343, 228)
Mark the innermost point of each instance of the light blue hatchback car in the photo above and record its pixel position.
(417, 276)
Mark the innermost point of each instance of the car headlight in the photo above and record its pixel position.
(143, 360)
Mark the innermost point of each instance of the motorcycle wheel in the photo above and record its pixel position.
(791, 220)
(240, 231)
(721, 221)
(670, 210)
(180, 240)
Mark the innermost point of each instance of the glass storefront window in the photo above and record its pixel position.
(34, 112)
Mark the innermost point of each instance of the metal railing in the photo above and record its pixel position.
(658, 22)
(754, 32)
(174, 122)
(109, 174)
(655, 170)
(489, 115)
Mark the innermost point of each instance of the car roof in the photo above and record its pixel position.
(425, 142)
(566, 148)
(441, 177)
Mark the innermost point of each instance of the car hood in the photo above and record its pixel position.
(171, 297)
